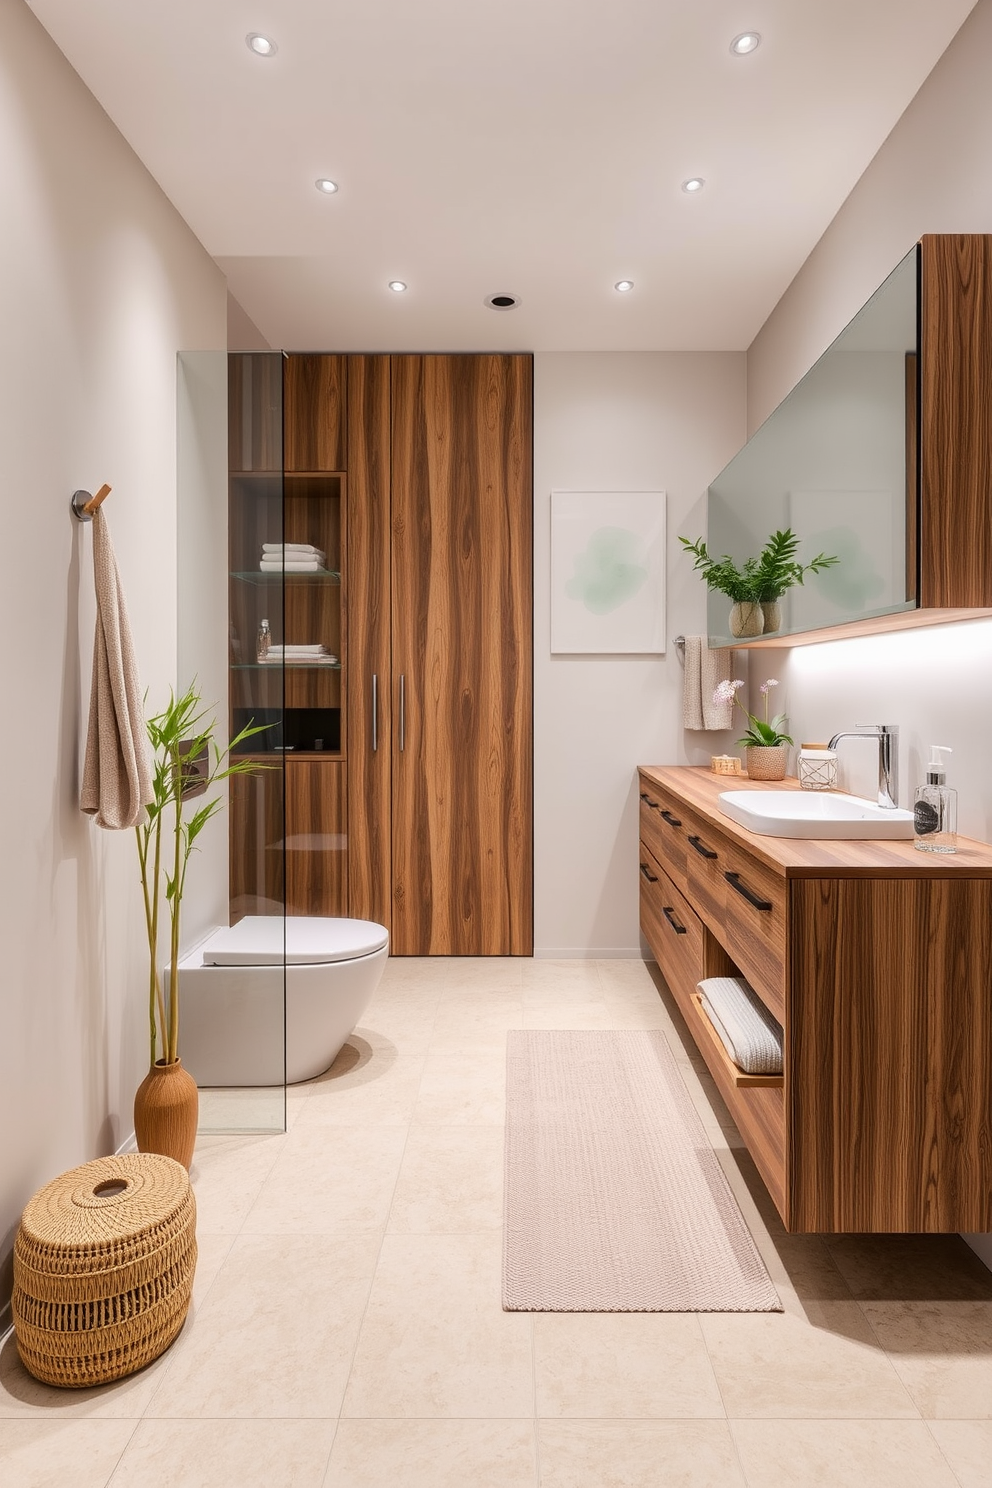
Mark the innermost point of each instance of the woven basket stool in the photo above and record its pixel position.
(103, 1269)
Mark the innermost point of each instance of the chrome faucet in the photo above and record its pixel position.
(887, 735)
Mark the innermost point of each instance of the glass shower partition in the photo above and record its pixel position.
(230, 505)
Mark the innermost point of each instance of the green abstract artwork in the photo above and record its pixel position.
(607, 573)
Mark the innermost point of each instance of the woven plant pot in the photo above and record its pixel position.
(166, 1107)
(103, 1269)
(771, 615)
(766, 761)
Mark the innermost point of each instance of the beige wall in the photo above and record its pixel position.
(616, 421)
(102, 284)
(931, 175)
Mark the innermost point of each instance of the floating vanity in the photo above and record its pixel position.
(876, 959)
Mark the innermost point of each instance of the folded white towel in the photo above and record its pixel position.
(291, 661)
(291, 548)
(747, 1030)
(306, 565)
(281, 558)
(703, 670)
(315, 650)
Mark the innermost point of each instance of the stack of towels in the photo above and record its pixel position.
(747, 1030)
(315, 655)
(291, 558)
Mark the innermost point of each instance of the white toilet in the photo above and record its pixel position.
(233, 991)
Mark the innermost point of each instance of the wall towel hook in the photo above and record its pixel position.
(84, 504)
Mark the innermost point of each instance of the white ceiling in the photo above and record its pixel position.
(531, 146)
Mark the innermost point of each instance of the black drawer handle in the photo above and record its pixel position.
(651, 877)
(645, 797)
(734, 880)
(701, 848)
(670, 917)
(672, 821)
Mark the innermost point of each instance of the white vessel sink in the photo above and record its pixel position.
(814, 814)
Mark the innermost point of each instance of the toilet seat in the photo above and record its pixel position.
(297, 940)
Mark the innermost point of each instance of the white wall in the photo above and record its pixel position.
(931, 175)
(607, 421)
(102, 284)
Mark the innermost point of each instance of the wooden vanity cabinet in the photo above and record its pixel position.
(877, 961)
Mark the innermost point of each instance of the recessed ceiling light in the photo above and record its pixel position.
(397, 286)
(624, 286)
(262, 46)
(694, 183)
(748, 41)
(502, 302)
(326, 186)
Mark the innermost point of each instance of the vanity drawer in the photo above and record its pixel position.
(706, 862)
(754, 925)
(671, 929)
(663, 831)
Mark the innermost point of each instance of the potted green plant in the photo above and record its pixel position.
(186, 763)
(756, 585)
(764, 740)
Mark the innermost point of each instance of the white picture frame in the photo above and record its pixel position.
(608, 572)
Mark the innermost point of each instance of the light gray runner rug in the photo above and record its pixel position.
(615, 1200)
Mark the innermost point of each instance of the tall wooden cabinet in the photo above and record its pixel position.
(413, 473)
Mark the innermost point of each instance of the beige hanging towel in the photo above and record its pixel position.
(117, 775)
(703, 670)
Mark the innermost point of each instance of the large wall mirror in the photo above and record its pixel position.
(836, 462)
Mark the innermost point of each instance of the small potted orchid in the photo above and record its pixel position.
(765, 740)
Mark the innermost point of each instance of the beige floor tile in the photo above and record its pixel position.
(482, 973)
(463, 1085)
(640, 976)
(330, 1181)
(942, 1352)
(276, 1334)
(572, 980)
(55, 1454)
(212, 1252)
(465, 1019)
(593, 1015)
(825, 1364)
(435, 1341)
(637, 1454)
(21, 1395)
(374, 1099)
(841, 1454)
(226, 1454)
(967, 1446)
(433, 1454)
(227, 1174)
(908, 1268)
(450, 1182)
(604, 1365)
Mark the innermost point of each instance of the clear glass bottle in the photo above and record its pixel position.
(263, 642)
(935, 808)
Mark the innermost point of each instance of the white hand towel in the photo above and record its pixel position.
(291, 557)
(703, 670)
(291, 548)
(307, 565)
(317, 647)
(117, 775)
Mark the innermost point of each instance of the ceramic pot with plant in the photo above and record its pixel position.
(766, 754)
(756, 585)
(186, 763)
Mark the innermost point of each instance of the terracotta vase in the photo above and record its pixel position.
(746, 620)
(166, 1107)
(771, 612)
(766, 761)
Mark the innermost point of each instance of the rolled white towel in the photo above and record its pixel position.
(306, 565)
(747, 1030)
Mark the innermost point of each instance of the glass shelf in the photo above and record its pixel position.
(288, 666)
(280, 576)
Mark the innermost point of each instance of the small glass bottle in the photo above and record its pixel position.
(935, 808)
(263, 642)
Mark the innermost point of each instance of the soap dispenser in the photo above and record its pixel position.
(935, 808)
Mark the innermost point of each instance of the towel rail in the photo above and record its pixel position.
(84, 504)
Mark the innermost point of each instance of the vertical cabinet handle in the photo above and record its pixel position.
(375, 713)
(402, 712)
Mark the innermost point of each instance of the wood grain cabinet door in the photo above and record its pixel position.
(461, 564)
(314, 413)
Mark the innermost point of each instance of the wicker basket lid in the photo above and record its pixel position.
(107, 1201)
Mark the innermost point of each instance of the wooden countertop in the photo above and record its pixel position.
(815, 857)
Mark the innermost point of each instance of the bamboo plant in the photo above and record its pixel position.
(180, 738)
